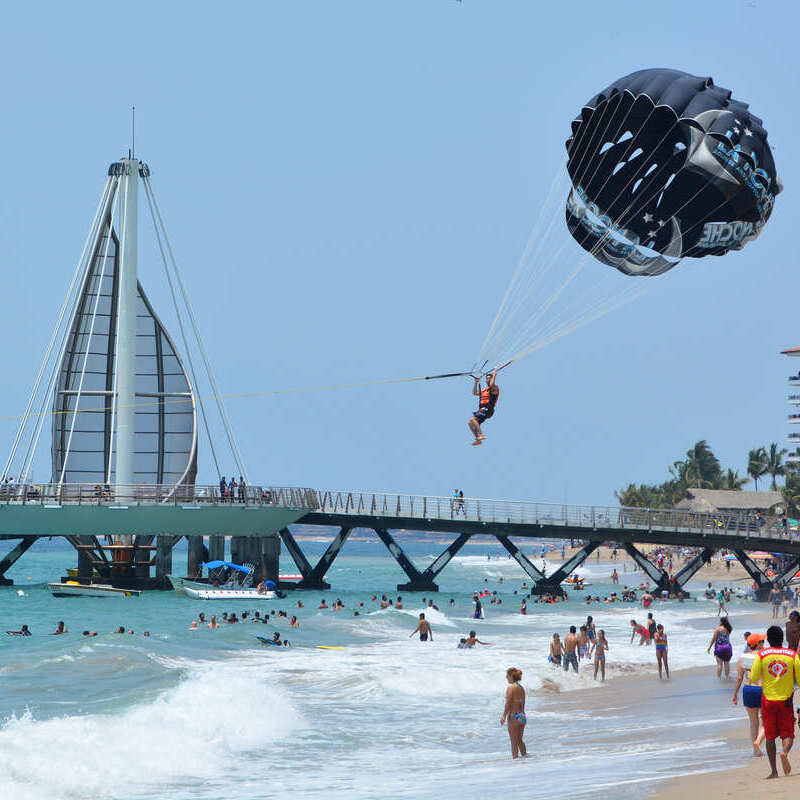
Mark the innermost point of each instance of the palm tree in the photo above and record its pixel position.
(757, 464)
(731, 480)
(774, 463)
(700, 469)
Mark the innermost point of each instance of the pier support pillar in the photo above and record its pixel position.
(13, 557)
(658, 576)
(314, 577)
(164, 545)
(541, 584)
(141, 558)
(195, 557)
(763, 583)
(684, 575)
(85, 566)
(216, 547)
(554, 580)
(263, 552)
(417, 581)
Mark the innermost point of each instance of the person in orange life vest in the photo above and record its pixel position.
(487, 400)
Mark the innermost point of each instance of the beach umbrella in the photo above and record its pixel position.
(760, 554)
(730, 557)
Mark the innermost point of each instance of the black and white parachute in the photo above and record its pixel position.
(663, 165)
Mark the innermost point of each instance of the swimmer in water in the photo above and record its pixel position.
(423, 628)
(514, 712)
(487, 400)
(473, 639)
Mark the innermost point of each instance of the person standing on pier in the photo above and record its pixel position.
(487, 400)
(223, 488)
(242, 487)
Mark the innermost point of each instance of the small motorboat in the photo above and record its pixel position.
(221, 593)
(239, 585)
(75, 589)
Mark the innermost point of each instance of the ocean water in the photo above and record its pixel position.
(214, 714)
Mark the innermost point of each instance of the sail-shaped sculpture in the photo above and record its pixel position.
(165, 438)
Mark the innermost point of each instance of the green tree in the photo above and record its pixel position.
(774, 463)
(640, 495)
(701, 469)
(791, 493)
(757, 464)
(731, 480)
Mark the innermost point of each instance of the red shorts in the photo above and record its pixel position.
(778, 718)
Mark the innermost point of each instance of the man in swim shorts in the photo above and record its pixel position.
(487, 400)
(423, 628)
(778, 669)
(570, 649)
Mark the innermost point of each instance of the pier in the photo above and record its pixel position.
(259, 520)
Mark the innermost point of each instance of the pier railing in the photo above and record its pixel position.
(144, 494)
(470, 509)
(405, 506)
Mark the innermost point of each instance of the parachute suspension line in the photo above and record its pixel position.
(76, 276)
(529, 253)
(530, 246)
(524, 285)
(179, 316)
(524, 279)
(88, 342)
(206, 363)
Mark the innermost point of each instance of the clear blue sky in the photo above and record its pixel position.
(348, 186)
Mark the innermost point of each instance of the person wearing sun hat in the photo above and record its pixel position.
(751, 693)
(793, 629)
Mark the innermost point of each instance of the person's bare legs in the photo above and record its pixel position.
(761, 736)
(719, 669)
(603, 668)
(659, 655)
(512, 735)
(771, 751)
(727, 665)
(787, 746)
(755, 724)
(666, 663)
(475, 427)
(515, 731)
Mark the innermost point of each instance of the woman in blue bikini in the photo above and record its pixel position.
(514, 712)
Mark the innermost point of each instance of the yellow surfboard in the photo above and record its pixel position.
(328, 647)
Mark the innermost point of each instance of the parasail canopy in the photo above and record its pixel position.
(663, 165)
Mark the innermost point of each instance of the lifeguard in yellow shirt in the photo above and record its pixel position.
(778, 669)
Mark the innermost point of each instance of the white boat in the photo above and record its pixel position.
(223, 593)
(179, 584)
(75, 589)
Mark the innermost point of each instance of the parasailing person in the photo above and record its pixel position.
(487, 400)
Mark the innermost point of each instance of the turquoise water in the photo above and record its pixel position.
(212, 713)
